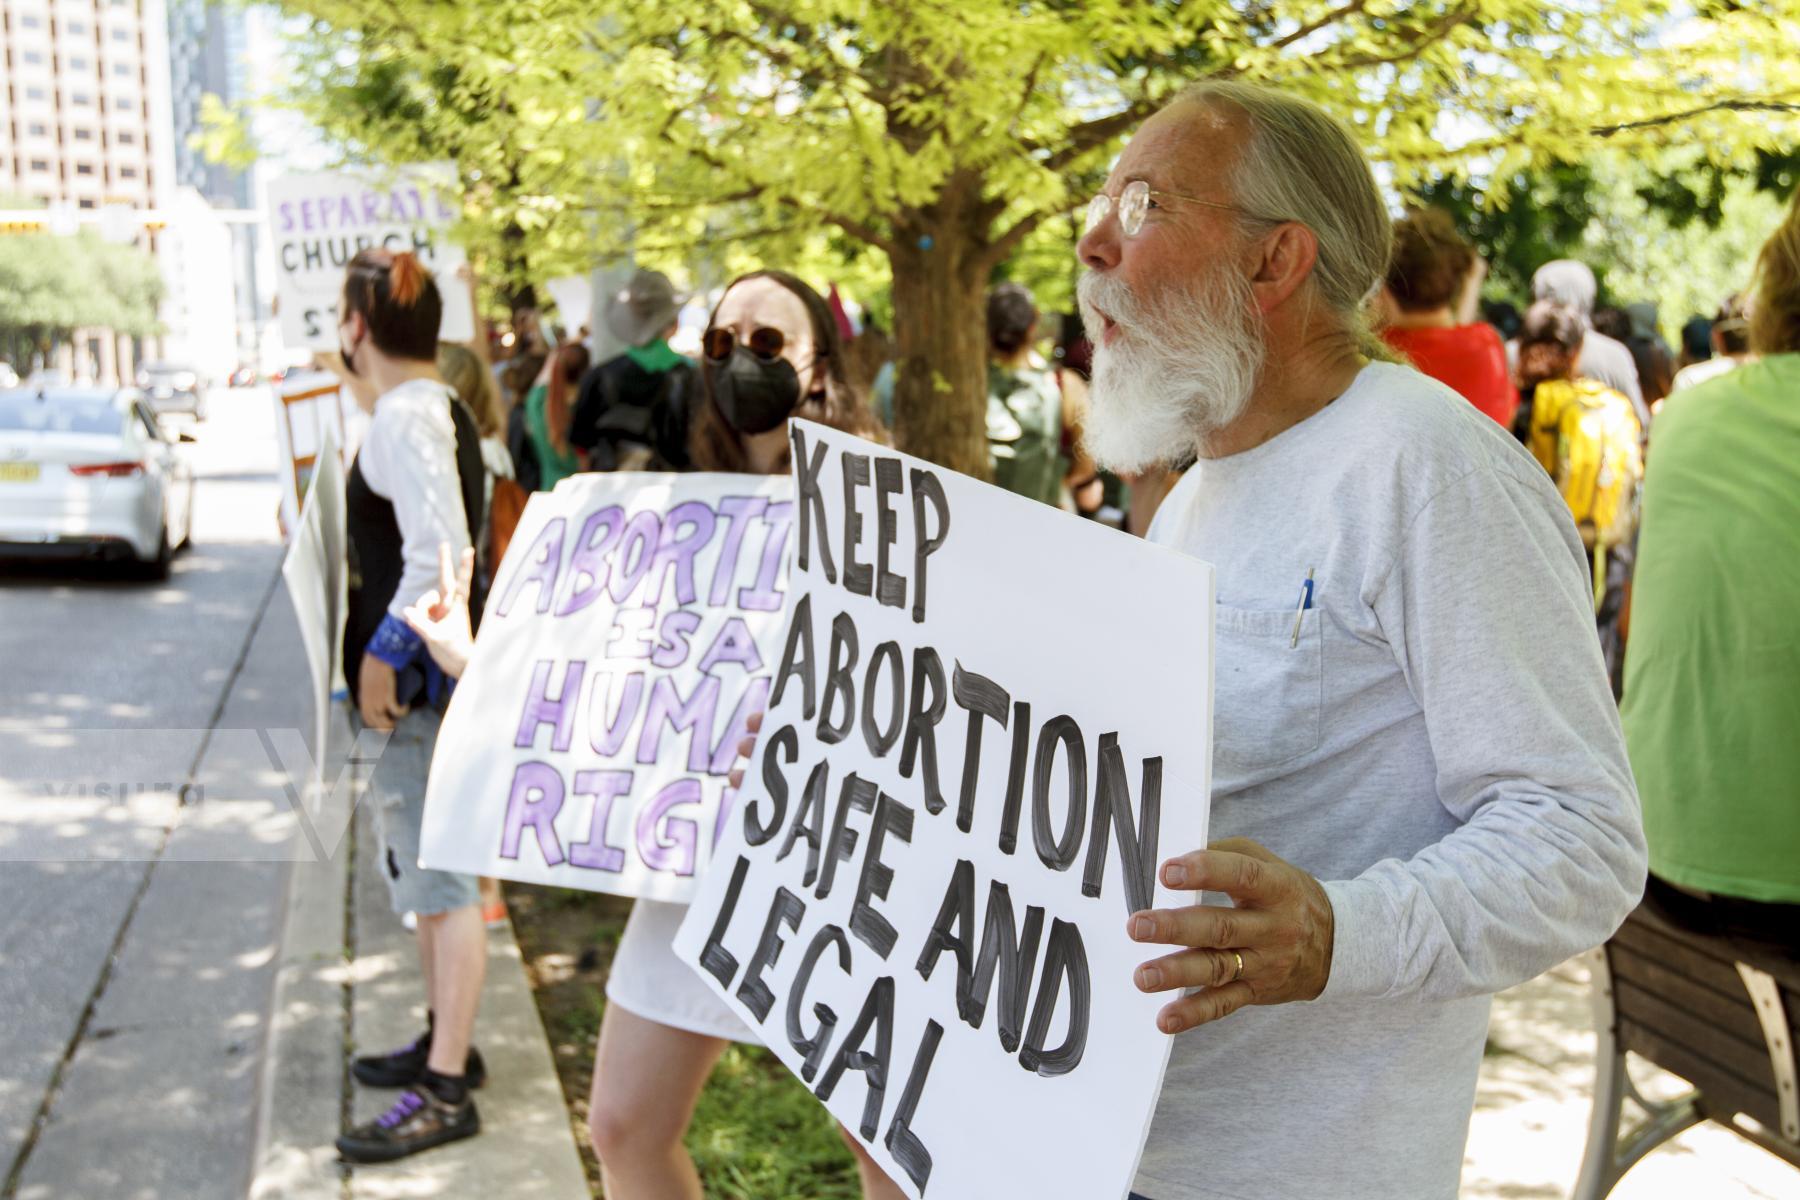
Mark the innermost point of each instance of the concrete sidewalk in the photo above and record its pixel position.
(1535, 1095)
(348, 982)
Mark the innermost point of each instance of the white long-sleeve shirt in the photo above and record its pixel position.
(408, 458)
(1439, 746)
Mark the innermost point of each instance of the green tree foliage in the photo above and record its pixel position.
(949, 136)
(1676, 230)
(51, 286)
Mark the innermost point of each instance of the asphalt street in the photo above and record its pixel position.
(133, 986)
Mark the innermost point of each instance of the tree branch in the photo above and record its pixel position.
(1330, 18)
(1676, 118)
(1420, 42)
(1002, 247)
(1085, 137)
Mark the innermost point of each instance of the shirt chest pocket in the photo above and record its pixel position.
(1268, 689)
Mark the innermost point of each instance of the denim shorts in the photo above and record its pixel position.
(397, 790)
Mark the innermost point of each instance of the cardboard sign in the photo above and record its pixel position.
(990, 723)
(320, 220)
(317, 580)
(628, 637)
(312, 410)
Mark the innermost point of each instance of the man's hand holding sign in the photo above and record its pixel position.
(918, 901)
(1271, 946)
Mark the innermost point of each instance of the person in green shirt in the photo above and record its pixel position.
(1712, 671)
(547, 413)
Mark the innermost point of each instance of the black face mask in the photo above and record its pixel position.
(753, 395)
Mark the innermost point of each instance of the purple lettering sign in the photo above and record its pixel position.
(629, 636)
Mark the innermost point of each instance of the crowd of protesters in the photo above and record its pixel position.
(1465, 721)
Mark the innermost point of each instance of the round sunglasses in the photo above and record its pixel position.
(764, 342)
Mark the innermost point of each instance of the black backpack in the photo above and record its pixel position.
(627, 419)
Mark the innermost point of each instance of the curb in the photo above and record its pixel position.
(348, 976)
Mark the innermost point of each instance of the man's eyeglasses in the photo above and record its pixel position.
(765, 343)
(1134, 205)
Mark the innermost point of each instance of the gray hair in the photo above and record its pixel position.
(1300, 164)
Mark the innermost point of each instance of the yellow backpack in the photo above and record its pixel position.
(1588, 437)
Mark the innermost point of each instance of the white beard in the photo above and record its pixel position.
(1182, 367)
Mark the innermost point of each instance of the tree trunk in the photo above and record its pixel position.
(940, 332)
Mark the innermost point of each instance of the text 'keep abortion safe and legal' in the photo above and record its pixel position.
(970, 769)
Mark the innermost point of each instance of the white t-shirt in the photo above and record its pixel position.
(408, 458)
(1439, 746)
(1700, 372)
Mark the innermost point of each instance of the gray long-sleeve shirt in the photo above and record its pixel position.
(1439, 745)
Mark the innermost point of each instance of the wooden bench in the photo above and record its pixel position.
(1722, 1018)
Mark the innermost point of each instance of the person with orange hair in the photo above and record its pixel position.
(416, 482)
(1712, 674)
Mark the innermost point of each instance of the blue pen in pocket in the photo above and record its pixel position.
(1306, 602)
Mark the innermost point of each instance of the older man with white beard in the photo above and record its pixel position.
(1417, 762)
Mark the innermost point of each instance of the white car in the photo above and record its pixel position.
(86, 472)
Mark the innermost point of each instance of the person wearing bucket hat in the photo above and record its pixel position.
(631, 413)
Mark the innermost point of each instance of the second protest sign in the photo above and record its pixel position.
(629, 635)
(989, 723)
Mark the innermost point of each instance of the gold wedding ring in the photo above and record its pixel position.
(1239, 973)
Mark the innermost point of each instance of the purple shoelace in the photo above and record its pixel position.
(409, 1103)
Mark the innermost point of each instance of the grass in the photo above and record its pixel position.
(758, 1133)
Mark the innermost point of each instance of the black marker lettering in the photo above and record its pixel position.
(1058, 853)
(893, 817)
(901, 1141)
(797, 658)
(877, 1011)
(890, 589)
(859, 577)
(1015, 778)
(921, 724)
(812, 801)
(1137, 839)
(721, 963)
(857, 793)
(881, 741)
(1065, 960)
(838, 681)
(814, 1047)
(811, 503)
(786, 738)
(925, 487)
(980, 697)
(785, 909)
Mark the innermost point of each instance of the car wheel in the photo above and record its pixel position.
(157, 569)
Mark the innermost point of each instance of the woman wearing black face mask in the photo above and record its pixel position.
(771, 352)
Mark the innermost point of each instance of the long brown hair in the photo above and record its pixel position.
(1775, 307)
(566, 372)
(466, 373)
(714, 445)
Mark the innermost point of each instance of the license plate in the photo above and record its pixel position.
(18, 472)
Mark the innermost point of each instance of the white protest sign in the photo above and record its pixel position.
(318, 221)
(990, 723)
(628, 637)
(574, 297)
(316, 575)
(310, 409)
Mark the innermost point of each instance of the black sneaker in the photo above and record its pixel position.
(417, 1121)
(403, 1068)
